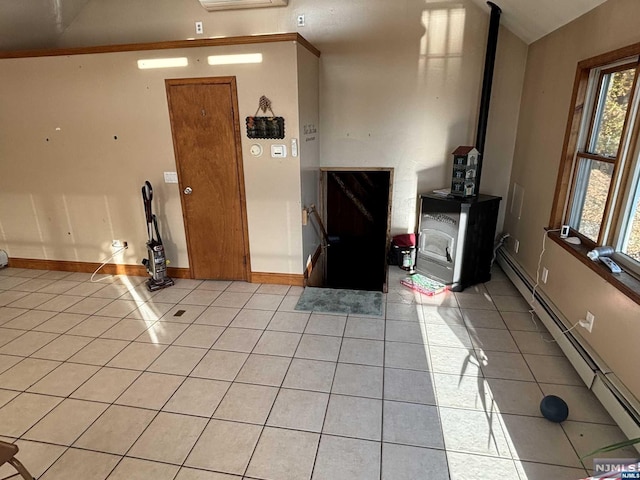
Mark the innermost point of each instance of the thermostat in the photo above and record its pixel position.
(256, 150)
(278, 151)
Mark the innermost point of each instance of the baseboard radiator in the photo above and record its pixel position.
(623, 407)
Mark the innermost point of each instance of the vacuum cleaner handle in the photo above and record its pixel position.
(147, 196)
(155, 224)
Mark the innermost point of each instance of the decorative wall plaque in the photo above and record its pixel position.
(265, 127)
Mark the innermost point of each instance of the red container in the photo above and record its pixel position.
(405, 240)
(403, 248)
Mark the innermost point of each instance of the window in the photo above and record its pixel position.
(630, 235)
(610, 91)
(598, 191)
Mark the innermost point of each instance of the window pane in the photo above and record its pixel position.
(631, 245)
(612, 108)
(592, 188)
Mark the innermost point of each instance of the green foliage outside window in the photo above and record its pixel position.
(611, 122)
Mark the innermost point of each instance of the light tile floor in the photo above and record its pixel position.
(225, 380)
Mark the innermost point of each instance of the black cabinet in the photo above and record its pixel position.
(456, 238)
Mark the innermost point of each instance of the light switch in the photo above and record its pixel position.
(278, 151)
(170, 177)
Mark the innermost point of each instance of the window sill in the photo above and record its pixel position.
(626, 283)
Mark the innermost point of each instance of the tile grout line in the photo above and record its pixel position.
(157, 412)
(192, 323)
(67, 448)
(501, 422)
(435, 393)
(174, 392)
(384, 366)
(326, 410)
(264, 425)
(501, 419)
(230, 383)
(109, 403)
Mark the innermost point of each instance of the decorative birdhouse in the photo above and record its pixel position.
(465, 165)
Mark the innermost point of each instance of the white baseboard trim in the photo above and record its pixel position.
(615, 398)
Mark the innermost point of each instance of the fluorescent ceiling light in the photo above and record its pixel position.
(163, 63)
(212, 5)
(235, 59)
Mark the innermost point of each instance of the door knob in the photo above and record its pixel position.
(188, 190)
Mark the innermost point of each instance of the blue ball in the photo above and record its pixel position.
(554, 408)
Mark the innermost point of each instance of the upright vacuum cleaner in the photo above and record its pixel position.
(155, 262)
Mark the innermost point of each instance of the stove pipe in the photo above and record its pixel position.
(487, 80)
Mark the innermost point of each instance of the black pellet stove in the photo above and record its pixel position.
(457, 232)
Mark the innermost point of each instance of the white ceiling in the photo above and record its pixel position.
(533, 19)
(28, 24)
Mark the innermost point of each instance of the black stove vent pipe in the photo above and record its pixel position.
(487, 80)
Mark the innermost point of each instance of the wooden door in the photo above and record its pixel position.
(206, 140)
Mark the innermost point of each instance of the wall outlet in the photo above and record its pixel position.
(516, 245)
(119, 244)
(545, 274)
(587, 323)
(301, 21)
(199, 28)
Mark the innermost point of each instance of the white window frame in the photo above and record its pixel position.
(622, 232)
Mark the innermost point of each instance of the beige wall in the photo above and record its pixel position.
(68, 186)
(399, 80)
(508, 78)
(273, 184)
(309, 144)
(399, 87)
(544, 111)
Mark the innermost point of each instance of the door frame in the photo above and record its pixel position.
(231, 81)
(323, 205)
